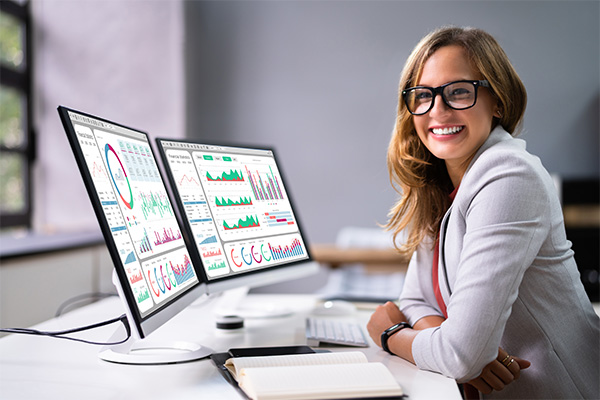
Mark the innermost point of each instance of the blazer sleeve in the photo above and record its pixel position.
(504, 210)
(417, 299)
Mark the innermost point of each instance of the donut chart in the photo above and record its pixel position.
(108, 148)
(264, 252)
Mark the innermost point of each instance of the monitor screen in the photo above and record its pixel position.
(237, 210)
(154, 269)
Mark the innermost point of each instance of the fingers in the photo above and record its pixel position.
(523, 364)
(496, 376)
(510, 363)
(514, 365)
(503, 373)
(499, 373)
(494, 382)
(481, 385)
(502, 354)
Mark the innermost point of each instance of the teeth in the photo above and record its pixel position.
(447, 131)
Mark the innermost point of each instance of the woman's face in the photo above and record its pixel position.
(454, 135)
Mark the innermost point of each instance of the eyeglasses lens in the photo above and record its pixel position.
(460, 95)
(457, 95)
(419, 100)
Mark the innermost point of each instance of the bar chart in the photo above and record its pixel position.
(265, 185)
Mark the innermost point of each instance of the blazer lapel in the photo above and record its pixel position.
(442, 272)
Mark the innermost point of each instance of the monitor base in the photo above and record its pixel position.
(147, 352)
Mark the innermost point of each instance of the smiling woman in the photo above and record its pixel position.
(493, 268)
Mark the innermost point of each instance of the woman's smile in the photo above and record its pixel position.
(446, 130)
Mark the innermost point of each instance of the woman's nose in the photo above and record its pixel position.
(439, 106)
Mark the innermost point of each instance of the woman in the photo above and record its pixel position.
(491, 268)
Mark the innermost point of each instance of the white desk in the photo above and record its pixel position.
(38, 367)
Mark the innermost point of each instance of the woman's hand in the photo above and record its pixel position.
(384, 317)
(499, 373)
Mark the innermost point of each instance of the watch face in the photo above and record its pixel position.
(397, 327)
(392, 329)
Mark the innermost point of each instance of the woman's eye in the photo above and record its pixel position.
(460, 92)
(423, 96)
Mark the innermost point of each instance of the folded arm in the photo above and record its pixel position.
(495, 376)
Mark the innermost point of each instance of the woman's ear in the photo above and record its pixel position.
(498, 111)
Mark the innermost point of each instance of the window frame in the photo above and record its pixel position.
(21, 80)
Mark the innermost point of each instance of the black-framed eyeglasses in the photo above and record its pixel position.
(458, 95)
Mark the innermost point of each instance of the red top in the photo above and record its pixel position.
(434, 271)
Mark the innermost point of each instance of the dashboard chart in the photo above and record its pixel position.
(236, 205)
(138, 211)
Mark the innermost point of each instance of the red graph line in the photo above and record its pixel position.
(98, 168)
(188, 180)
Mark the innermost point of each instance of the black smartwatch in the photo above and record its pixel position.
(389, 332)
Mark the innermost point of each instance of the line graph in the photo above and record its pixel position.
(188, 181)
(98, 171)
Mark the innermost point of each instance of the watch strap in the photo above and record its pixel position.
(391, 331)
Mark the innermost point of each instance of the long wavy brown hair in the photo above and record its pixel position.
(418, 176)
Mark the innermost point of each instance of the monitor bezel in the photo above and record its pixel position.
(141, 325)
(276, 273)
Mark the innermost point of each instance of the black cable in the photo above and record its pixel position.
(61, 334)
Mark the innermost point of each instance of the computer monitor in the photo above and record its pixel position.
(153, 271)
(238, 212)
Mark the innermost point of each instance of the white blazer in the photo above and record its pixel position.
(509, 279)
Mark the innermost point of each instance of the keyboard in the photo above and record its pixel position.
(331, 331)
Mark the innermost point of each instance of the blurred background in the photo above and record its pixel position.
(316, 80)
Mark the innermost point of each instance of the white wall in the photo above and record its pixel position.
(121, 60)
(318, 81)
(32, 288)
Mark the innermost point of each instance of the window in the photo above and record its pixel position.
(17, 149)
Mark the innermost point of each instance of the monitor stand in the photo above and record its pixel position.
(233, 302)
(148, 352)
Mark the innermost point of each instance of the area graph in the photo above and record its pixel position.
(231, 176)
(250, 221)
(228, 202)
